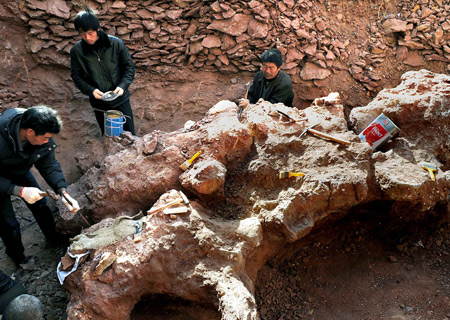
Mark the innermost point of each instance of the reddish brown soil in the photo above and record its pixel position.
(364, 266)
(361, 267)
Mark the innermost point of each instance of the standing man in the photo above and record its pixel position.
(270, 83)
(100, 63)
(26, 140)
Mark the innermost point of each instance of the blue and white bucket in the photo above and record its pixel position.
(114, 121)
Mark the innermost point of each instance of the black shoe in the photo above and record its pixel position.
(21, 261)
(28, 265)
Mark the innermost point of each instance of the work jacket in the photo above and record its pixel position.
(9, 290)
(6, 283)
(16, 160)
(104, 66)
(280, 89)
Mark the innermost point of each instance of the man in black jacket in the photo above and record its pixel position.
(26, 140)
(15, 303)
(100, 63)
(9, 289)
(270, 83)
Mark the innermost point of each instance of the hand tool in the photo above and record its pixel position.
(188, 163)
(177, 210)
(71, 204)
(247, 87)
(49, 193)
(138, 234)
(183, 199)
(324, 135)
(289, 117)
(431, 168)
(287, 174)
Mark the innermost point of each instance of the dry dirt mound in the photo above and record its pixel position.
(362, 267)
(211, 256)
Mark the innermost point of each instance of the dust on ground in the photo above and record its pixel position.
(364, 266)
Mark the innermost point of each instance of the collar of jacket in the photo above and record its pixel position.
(262, 79)
(103, 42)
(272, 81)
(10, 124)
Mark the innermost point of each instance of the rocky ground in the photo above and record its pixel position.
(42, 280)
(362, 267)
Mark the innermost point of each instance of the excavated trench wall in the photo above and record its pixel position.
(191, 54)
(325, 49)
(181, 47)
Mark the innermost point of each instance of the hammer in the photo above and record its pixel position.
(183, 199)
(289, 117)
(324, 135)
(71, 204)
(49, 193)
(247, 87)
(54, 196)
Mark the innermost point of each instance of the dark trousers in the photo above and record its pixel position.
(125, 108)
(9, 226)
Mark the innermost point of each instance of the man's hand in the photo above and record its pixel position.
(243, 103)
(119, 91)
(71, 204)
(97, 94)
(31, 194)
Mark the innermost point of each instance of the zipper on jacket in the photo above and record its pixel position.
(105, 71)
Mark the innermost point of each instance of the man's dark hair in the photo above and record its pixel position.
(86, 20)
(24, 307)
(42, 120)
(272, 55)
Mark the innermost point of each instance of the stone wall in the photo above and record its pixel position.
(228, 36)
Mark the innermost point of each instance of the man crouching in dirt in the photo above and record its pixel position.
(16, 303)
(270, 83)
(26, 140)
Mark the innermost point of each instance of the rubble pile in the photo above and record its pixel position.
(228, 36)
(423, 28)
(415, 30)
(211, 248)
